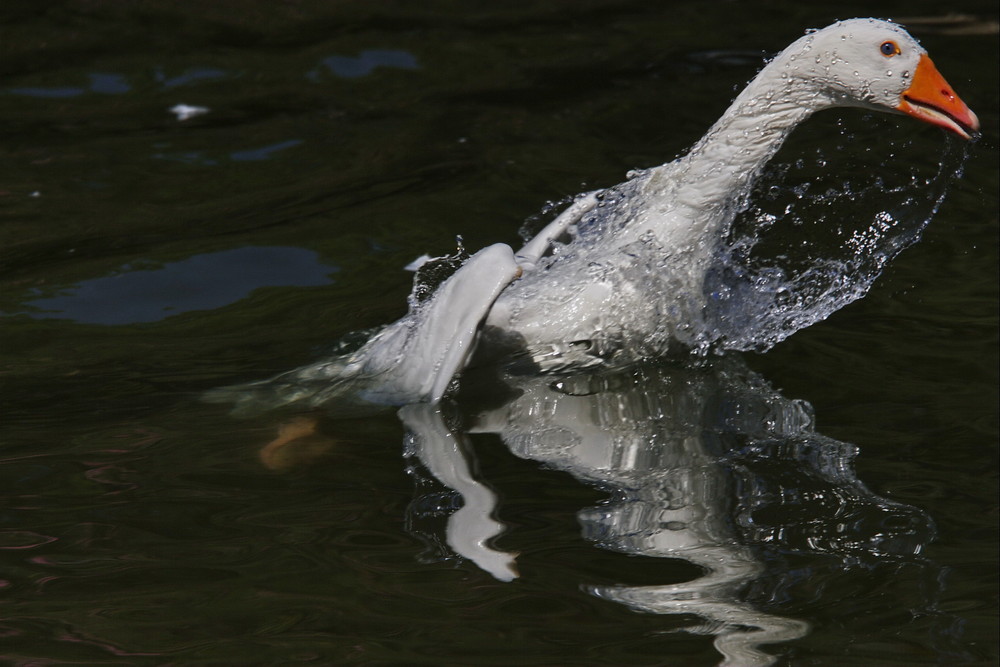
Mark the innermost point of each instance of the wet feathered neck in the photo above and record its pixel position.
(716, 175)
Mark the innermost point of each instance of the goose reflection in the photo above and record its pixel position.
(704, 462)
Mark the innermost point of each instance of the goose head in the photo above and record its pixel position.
(872, 64)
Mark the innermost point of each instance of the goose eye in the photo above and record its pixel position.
(889, 48)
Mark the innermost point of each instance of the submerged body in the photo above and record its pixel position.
(627, 273)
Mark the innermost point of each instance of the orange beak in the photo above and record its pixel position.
(932, 100)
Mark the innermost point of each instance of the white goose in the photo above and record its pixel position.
(586, 305)
(620, 274)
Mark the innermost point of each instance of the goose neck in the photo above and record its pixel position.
(723, 165)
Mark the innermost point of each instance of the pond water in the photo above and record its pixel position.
(192, 200)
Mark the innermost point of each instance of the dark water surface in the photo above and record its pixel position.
(831, 502)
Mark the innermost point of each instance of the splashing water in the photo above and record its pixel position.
(789, 248)
(767, 286)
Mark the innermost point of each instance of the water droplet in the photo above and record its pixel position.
(888, 72)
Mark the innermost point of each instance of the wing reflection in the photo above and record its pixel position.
(705, 463)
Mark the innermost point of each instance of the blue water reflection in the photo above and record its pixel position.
(104, 83)
(354, 67)
(264, 152)
(204, 282)
(248, 155)
(347, 67)
(192, 75)
(110, 83)
(54, 92)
